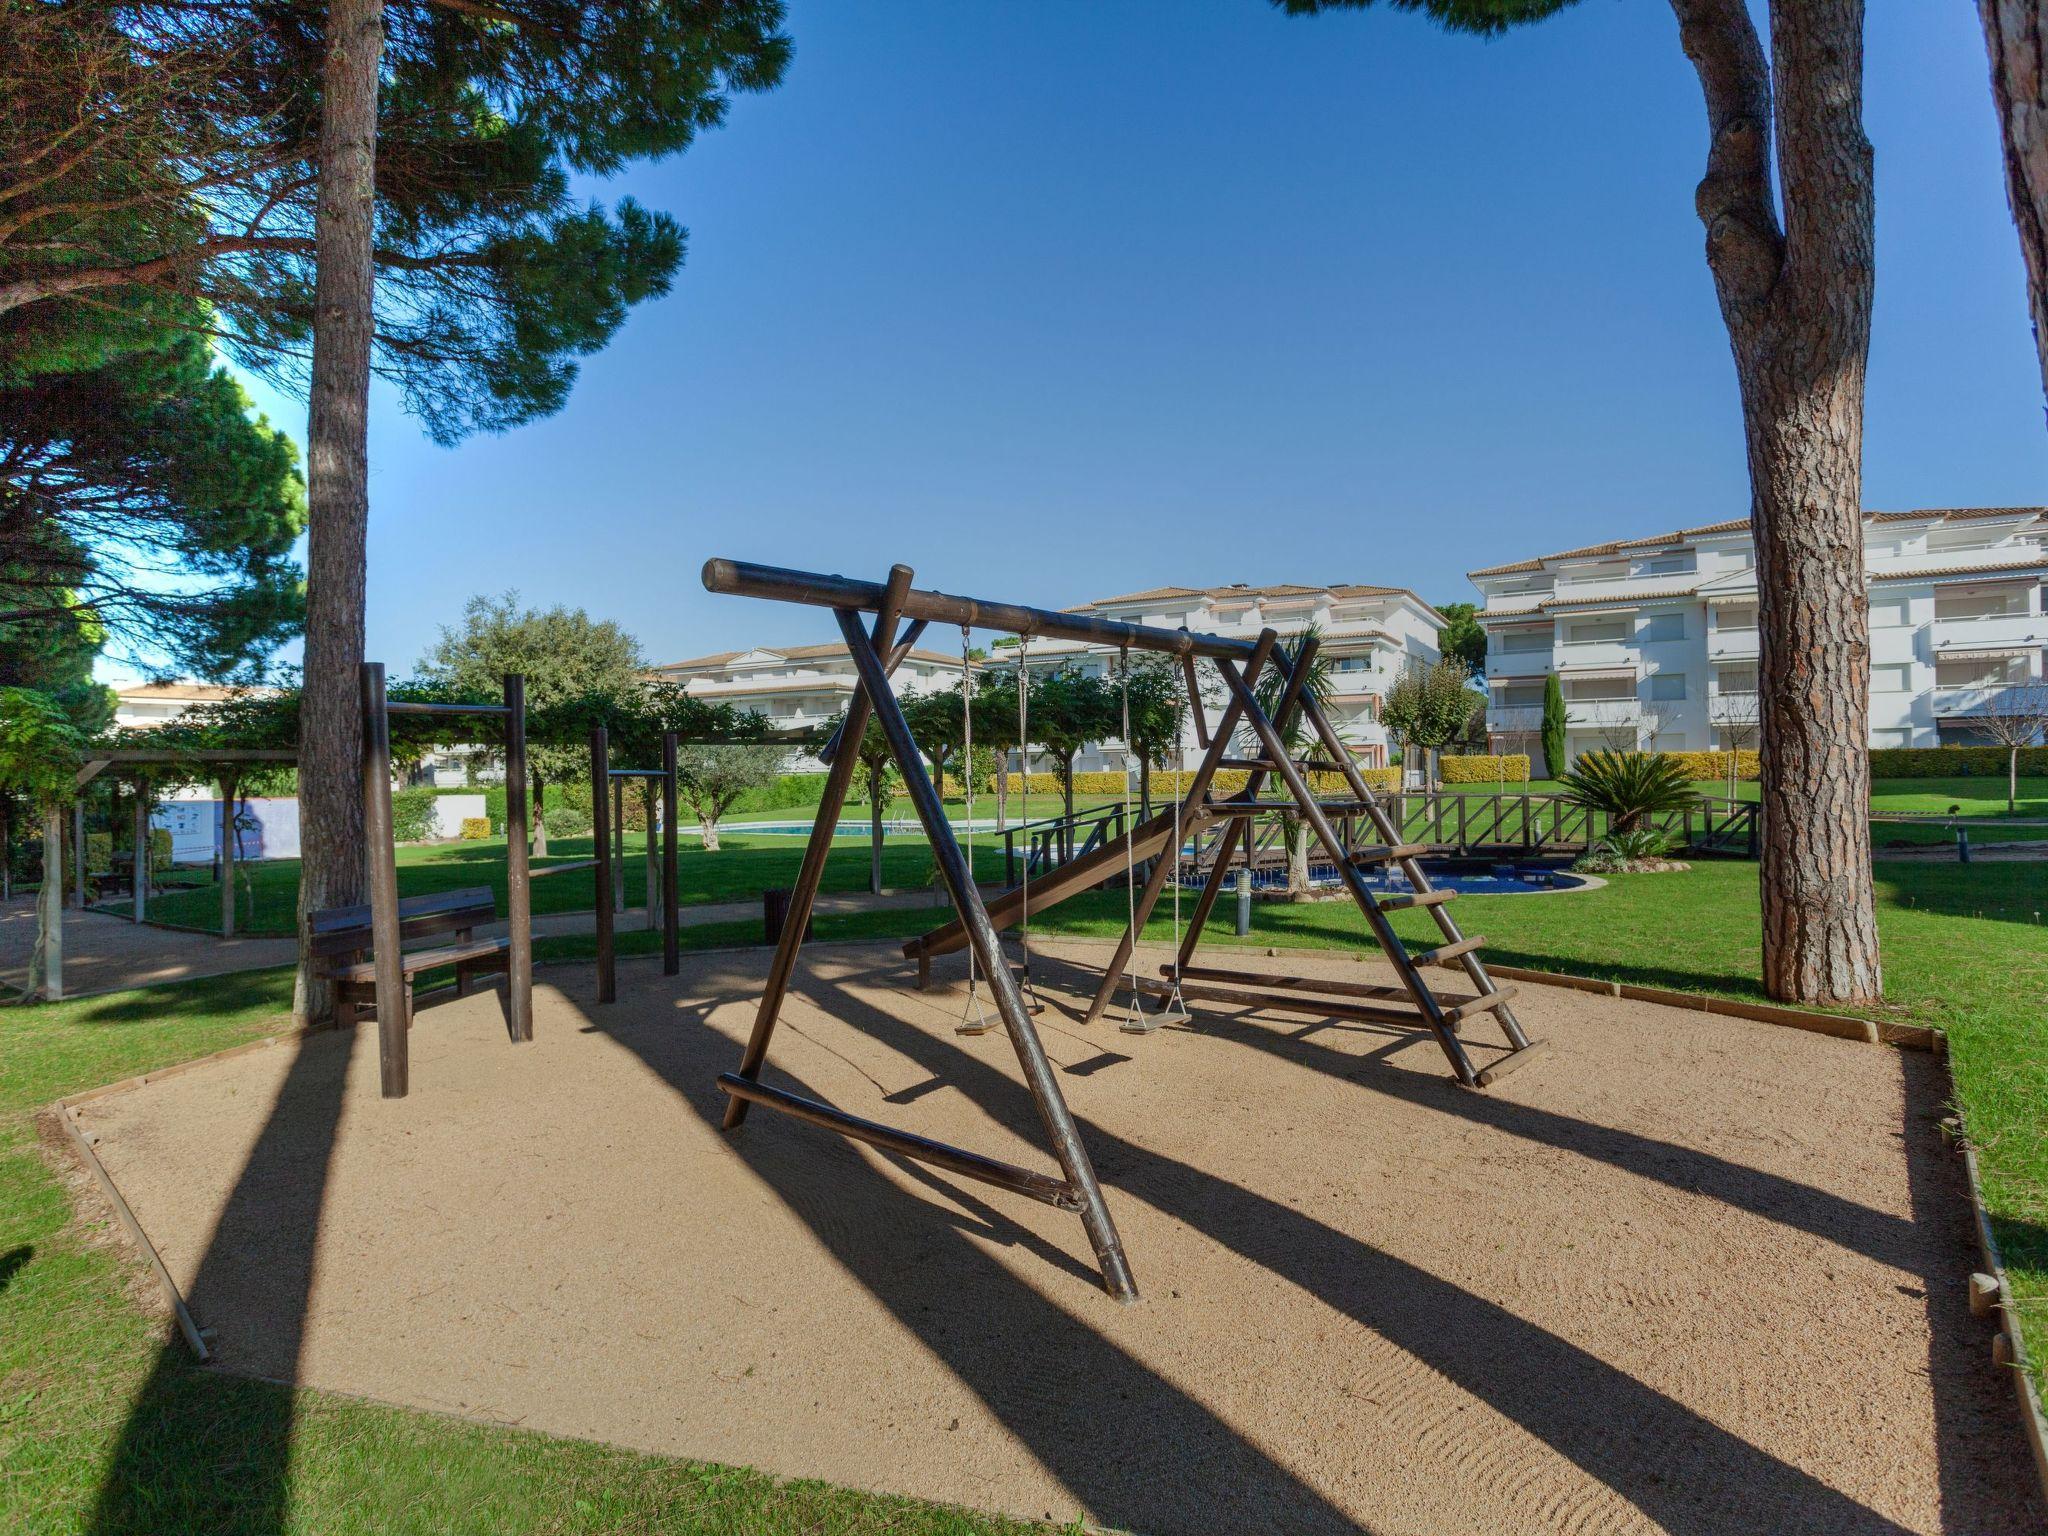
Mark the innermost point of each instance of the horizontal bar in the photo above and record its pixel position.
(409, 707)
(742, 579)
(972, 1165)
(1477, 1005)
(639, 773)
(1514, 1061)
(563, 869)
(223, 755)
(1328, 1007)
(1299, 983)
(1264, 765)
(1290, 807)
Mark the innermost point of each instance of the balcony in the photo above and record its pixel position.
(2014, 629)
(1730, 708)
(1603, 712)
(1732, 645)
(2028, 697)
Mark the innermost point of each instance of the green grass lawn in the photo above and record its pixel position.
(743, 867)
(102, 1429)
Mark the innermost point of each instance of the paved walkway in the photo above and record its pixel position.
(104, 953)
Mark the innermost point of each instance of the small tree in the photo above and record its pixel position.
(1293, 736)
(1158, 712)
(39, 754)
(710, 779)
(1069, 709)
(1739, 716)
(1462, 635)
(1430, 705)
(1552, 728)
(564, 655)
(938, 723)
(1515, 730)
(878, 772)
(2016, 717)
(1618, 723)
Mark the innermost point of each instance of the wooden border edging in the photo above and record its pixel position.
(83, 1145)
(1916, 1037)
(2015, 1360)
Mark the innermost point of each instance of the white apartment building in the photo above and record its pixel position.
(140, 706)
(1370, 635)
(799, 687)
(1654, 640)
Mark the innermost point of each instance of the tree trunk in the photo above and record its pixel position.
(2016, 37)
(540, 823)
(709, 824)
(1144, 789)
(1067, 806)
(227, 858)
(1796, 302)
(1297, 860)
(337, 482)
(2012, 780)
(46, 958)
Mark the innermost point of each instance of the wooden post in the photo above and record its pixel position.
(649, 864)
(518, 875)
(50, 904)
(141, 870)
(601, 850)
(78, 851)
(838, 779)
(381, 861)
(671, 959)
(615, 789)
(1002, 981)
(228, 785)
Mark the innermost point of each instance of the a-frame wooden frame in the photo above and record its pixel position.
(1413, 1003)
(1076, 1188)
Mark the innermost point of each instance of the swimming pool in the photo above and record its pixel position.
(907, 826)
(1474, 879)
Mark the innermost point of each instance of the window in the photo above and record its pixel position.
(1735, 620)
(1667, 565)
(1981, 604)
(1519, 696)
(1664, 626)
(1595, 631)
(1737, 679)
(1521, 640)
(1891, 678)
(1599, 690)
(1980, 672)
(1351, 664)
(1889, 612)
(1667, 687)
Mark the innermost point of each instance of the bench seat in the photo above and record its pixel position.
(413, 961)
(343, 938)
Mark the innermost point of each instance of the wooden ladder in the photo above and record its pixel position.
(1443, 1014)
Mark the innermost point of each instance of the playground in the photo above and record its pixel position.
(1686, 1276)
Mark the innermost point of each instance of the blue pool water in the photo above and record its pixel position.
(1497, 880)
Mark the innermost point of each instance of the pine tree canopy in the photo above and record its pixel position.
(141, 502)
(193, 172)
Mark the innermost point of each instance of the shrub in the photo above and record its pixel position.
(412, 815)
(1702, 766)
(476, 828)
(1953, 762)
(99, 852)
(1628, 785)
(1499, 768)
(159, 849)
(1620, 852)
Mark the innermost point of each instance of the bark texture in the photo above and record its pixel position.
(2016, 37)
(1796, 300)
(337, 484)
(46, 954)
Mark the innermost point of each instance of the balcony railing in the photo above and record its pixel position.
(1732, 645)
(1991, 699)
(1602, 711)
(1733, 708)
(2028, 629)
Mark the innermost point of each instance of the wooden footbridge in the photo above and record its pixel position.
(1507, 825)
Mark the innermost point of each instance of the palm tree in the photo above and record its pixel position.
(1293, 736)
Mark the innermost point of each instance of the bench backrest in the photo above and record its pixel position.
(347, 931)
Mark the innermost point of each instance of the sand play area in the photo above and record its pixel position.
(1688, 1274)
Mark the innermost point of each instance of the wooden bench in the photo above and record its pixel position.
(342, 943)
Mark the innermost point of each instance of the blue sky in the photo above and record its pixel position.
(1054, 299)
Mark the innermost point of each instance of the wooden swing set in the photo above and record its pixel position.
(978, 925)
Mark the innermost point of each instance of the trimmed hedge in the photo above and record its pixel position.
(1954, 762)
(1702, 766)
(412, 815)
(1500, 768)
(1229, 781)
